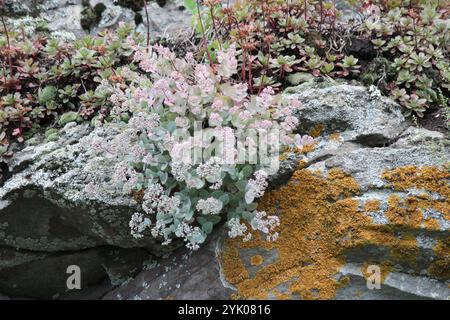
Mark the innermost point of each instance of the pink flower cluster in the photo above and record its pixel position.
(163, 107)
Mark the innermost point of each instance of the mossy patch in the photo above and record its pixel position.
(91, 16)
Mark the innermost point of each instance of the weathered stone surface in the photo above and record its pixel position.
(344, 118)
(44, 275)
(183, 275)
(64, 16)
(49, 220)
(166, 21)
(416, 147)
(18, 7)
(396, 286)
(45, 205)
(359, 116)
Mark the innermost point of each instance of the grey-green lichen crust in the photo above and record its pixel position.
(45, 205)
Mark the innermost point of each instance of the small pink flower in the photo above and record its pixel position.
(301, 141)
(217, 105)
(215, 119)
(227, 62)
(245, 115)
(240, 91)
(297, 105)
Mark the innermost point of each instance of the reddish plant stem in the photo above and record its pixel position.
(9, 47)
(306, 9)
(205, 42)
(287, 18)
(4, 72)
(334, 16)
(214, 26)
(22, 29)
(148, 24)
(250, 76)
(321, 14)
(415, 32)
(244, 57)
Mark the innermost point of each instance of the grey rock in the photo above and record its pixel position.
(49, 221)
(64, 17)
(396, 286)
(413, 146)
(44, 275)
(359, 115)
(373, 137)
(45, 205)
(371, 131)
(166, 21)
(19, 7)
(112, 15)
(183, 275)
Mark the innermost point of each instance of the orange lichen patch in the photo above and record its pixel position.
(427, 178)
(234, 267)
(284, 156)
(317, 130)
(440, 267)
(372, 205)
(405, 250)
(256, 260)
(302, 164)
(305, 149)
(379, 234)
(409, 211)
(306, 247)
(335, 136)
(344, 280)
(431, 224)
(403, 212)
(281, 295)
(309, 148)
(321, 221)
(402, 249)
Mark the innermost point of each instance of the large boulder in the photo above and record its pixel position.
(370, 204)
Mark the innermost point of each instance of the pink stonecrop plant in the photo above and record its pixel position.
(190, 141)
